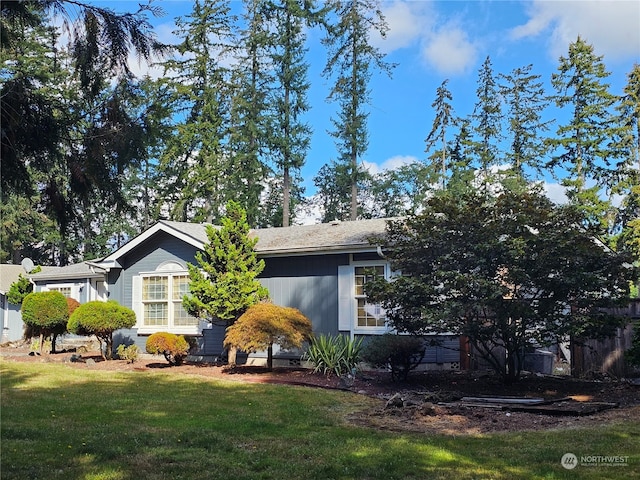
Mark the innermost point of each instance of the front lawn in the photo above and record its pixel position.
(59, 422)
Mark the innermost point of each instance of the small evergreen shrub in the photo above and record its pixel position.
(334, 354)
(129, 353)
(101, 319)
(175, 348)
(45, 314)
(399, 353)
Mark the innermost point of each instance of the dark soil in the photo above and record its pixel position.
(428, 402)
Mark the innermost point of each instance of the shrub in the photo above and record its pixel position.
(399, 353)
(129, 353)
(101, 319)
(264, 324)
(632, 356)
(45, 314)
(72, 304)
(174, 347)
(334, 354)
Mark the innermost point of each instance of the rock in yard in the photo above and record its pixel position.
(395, 402)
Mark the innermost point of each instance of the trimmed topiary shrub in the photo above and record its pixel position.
(264, 324)
(174, 347)
(399, 353)
(101, 319)
(45, 315)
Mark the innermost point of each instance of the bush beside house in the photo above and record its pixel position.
(45, 315)
(264, 324)
(174, 347)
(101, 319)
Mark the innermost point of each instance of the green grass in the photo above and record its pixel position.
(59, 422)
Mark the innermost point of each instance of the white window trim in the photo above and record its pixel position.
(347, 303)
(75, 289)
(138, 302)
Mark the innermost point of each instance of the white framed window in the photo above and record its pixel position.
(368, 314)
(69, 290)
(157, 300)
(355, 312)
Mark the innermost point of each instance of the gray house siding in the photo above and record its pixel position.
(13, 328)
(308, 283)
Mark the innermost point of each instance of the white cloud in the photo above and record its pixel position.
(443, 42)
(555, 192)
(610, 26)
(449, 50)
(407, 22)
(392, 163)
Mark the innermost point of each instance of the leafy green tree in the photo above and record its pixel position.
(333, 182)
(66, 137)
(224, 282)
(45, 314)
(586, 152)
(101, 319)
(508, 272)
(266, 324)
(351, 59)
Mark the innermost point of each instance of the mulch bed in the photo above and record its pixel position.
(428, 402)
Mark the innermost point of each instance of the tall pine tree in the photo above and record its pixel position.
(582, 146)
(351, 60)
(523, 93)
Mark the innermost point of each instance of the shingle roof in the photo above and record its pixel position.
(74, 271)
(9, 274)
(298, 239)
(321, 237)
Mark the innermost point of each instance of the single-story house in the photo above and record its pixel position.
(319, 269)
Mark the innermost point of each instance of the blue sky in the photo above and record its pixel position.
(431, 41)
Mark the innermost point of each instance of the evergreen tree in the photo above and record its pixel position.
(585, 149)
(224, 282)
(628, 220)
(524, 95)
(486, 123)
(196, 164)
(351, 59)
(65, 139)
(444, 117)
(252, 78)
(291, 136)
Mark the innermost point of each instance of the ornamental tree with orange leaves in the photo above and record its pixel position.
(264, 324)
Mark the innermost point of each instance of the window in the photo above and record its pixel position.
(66, 291)
(355, 312)
(162, 301)
(69, 290)
(368, 314)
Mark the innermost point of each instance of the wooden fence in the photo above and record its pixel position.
(606, 356)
